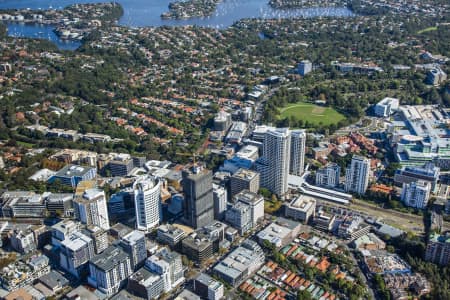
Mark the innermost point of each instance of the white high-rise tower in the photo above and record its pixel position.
(274, 165)
(357, 175)
(91, 208)
(298, 142)
(147, 201)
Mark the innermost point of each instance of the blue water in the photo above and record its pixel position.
(148, 12)
(41, 32)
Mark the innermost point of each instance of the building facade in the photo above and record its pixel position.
(91, 208)
(198, 191)
(357, 175)
(298, 149)
(135, 246)
(147, 201)
(220, 196)
(438, 249)
(416, 194)
(244, 179)
(275, 163)
(75, 252)
(328, 176)
(109, 270)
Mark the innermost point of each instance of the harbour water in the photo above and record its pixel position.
(147, 13)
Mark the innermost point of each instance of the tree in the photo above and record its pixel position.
(303, 295)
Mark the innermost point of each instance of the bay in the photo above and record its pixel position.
(138, 13)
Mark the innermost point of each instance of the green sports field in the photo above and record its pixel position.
(312, 113)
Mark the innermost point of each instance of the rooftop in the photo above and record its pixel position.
(245, 174)
(76, 241)
(248, 197)
(303, 203)
(73, 171)
(109, 258)
(208, 281)
(134, 236)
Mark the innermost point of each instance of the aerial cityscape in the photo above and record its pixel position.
(224, 149)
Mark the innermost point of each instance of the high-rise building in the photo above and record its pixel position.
(304, 67)
(134, 245)
(23, 241)
(428, 172)
(162, 272)
(416, 194)
(198, 191)
(222, 121)
(167, 264)
(121, 165)
(438, 249)
(244, 179)
(220, 201)
(328, 176)
(254, 201)
(99, 237)
(147, 200)
(91, 208)
(76, 251)
(357, 175)
(109, 270)
(62, 230)
(298, 149)
(274, 165)
(239, 216)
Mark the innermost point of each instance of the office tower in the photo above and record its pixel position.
(76, 251)
(438, 249)
(244, 179)
(428, 172)
(274, 165)
(416, 194)
(240, 217)
(298, 149)
(222, 121)
(109, 270)
(170, 235)
(328, 176)
(386, 107)
(357, 175)
(207, 287)
(121, 165)
(134, 245)
(23, 241)
(167, 264)
(304, 67)
(91, 208)
(220, 201)
(147, 202)
(254, 201)
(198, 191)
(60, 204)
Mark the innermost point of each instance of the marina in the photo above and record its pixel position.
(139, 13)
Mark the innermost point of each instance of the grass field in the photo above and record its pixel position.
(427, 30)
(312, 113)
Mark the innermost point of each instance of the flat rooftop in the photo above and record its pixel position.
(109, 258)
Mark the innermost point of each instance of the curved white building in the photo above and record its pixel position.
(147, 201)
